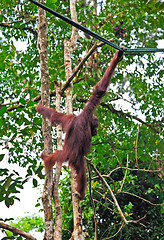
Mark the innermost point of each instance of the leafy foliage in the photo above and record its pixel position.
(28, 224)
(131, 114)
(10, 185)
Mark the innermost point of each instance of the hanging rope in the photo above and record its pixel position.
(95, 35)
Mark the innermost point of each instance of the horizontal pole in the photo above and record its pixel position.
(142, 50)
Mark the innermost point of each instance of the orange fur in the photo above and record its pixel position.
(79, 129)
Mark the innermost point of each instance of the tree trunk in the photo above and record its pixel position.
(46, 127)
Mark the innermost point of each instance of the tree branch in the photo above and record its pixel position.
(117, 231)
(102, 195)
(114, 198)
(16, 231)
(145, 200)
(110, 190)
(104, 205)
(36, 99)
(131, 169)
(124, 175)
(123, 114)
(75, 71)
(7, 25)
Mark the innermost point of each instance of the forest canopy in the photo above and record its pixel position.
(127, 151)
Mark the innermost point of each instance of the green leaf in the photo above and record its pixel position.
(7, 183)
(3, 110)
(1, 156)
(22, 101)
(35, 182)
(9, 202)
(161, 146)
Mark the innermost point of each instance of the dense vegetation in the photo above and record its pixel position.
(131, 115)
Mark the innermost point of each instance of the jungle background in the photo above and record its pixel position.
(128, 149)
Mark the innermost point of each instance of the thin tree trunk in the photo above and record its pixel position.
(58, 212)
(46, 127)
(69, 45)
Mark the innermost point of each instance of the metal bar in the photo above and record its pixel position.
(142, 50)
